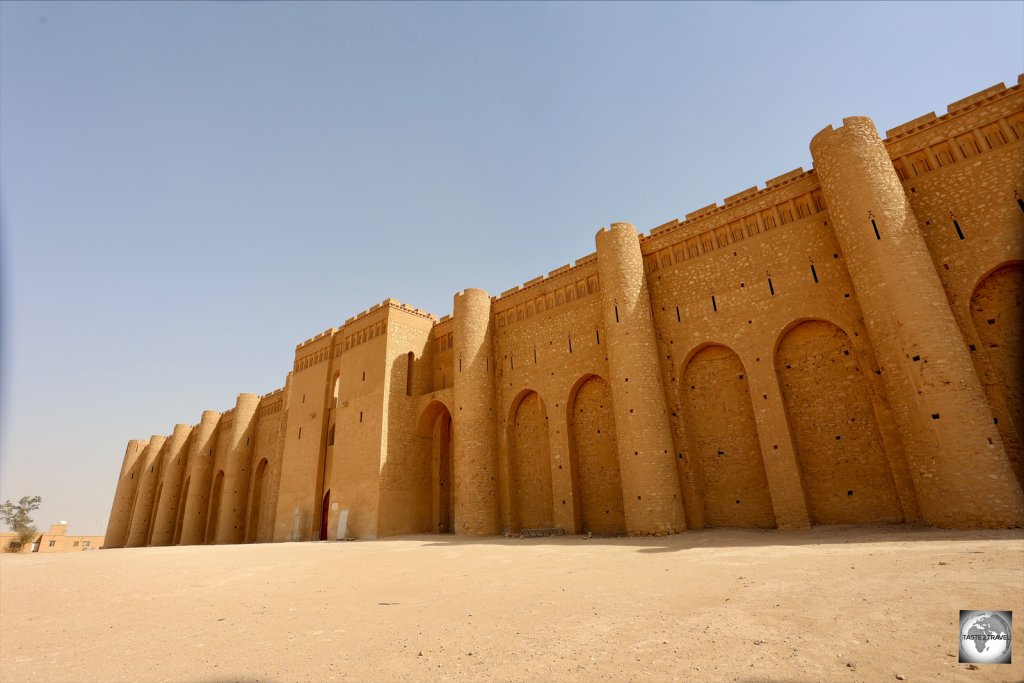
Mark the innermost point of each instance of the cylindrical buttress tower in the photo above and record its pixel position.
(474, 418)
(231, 525)
(149, 474)
(124, 496)
(167, 504)
(961, 472)
(200, 458)
(650, 482)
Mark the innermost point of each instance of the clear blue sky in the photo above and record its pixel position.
(188, 190)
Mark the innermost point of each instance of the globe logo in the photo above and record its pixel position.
(985, 637)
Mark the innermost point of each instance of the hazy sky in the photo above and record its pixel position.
(189, 190)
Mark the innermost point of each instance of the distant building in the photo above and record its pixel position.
(843, 345)
(56, 540)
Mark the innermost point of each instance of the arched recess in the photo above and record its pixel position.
(325, 512)
(180, 521)
(257, 499)
(435, 430)
(153, 515)
(724, 449)
(324, 475)
(843, 466)
(530, 462)
(214, 515)
(594, 458)
(997, 311)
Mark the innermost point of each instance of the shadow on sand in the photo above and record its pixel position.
(739, 538)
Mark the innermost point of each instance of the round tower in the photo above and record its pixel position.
(961, 473)
(474, 418)
(149, 474)
(200, 459)
(650, 483)
(124, 496)
(231, 525)
(167, 504)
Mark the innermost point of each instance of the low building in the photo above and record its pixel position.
(56, 540)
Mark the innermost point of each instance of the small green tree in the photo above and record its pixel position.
(16, 516)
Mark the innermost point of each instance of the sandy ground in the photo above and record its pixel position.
(845, 604)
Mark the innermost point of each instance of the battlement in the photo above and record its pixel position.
(326, 333)
(730, 202)
(961, 106)
(557, 273)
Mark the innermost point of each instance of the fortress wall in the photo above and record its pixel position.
(149, 476)
(231, 525)
(547, 352)
(165, 514)
(406, 464)
(198, 477)
(266, 460)
(981, 195)
(221, 449)
(925, 362)
(755, 349)
(725, 452)
(746, 317)
(305, 433)
(354, 479)
(474, 425)
(124, 496)
(442, 341)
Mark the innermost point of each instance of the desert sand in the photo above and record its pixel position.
(832, 603)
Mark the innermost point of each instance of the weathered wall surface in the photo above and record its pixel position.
(595, 459)
(830, 348)
(839, 447)
(723, 446)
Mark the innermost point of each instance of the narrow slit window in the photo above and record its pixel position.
(616, 313)
(959, 232)
(714, 304)
(874, 226)
(1020, 203)
(535, 356)
(598, 334)
(408, 375)
(570, 344)
(679, 318)
(814, 274)
(771, 287)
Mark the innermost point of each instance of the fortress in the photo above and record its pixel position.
(841, 346)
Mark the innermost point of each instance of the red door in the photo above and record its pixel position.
(325, 508)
